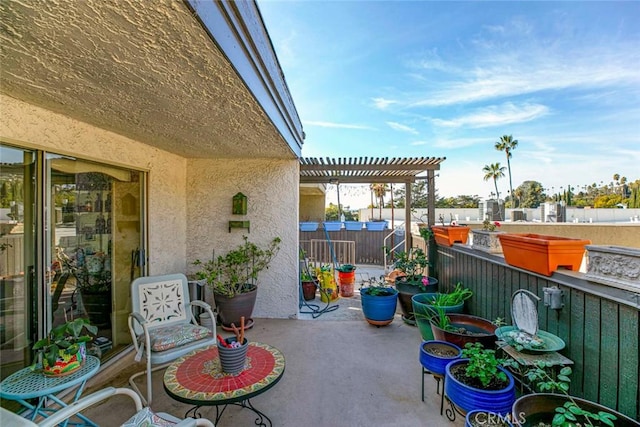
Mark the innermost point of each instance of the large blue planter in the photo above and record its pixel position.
(379, 310)
(353, 225)
(308, 226)
(435, 363)
(469, 398)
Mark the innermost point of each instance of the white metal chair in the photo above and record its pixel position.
(162, 323)
(144, 415)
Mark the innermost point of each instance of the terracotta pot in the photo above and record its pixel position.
(484, 331)
(308, 291)
(530, 409)
(448, 235)
(542, 254)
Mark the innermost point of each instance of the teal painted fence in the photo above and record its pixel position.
(599, 324)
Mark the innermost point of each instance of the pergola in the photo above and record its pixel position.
(383, 170)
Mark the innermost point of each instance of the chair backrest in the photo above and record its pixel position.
(161, 300)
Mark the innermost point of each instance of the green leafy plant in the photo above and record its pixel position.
(236, 272)
(413, 264)
(66, 337)
(376, 288)
(457, 296)
(482, 364)
(570, 412)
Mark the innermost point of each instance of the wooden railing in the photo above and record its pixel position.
(318, 251)
(599, 324)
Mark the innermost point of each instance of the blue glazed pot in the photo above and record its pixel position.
(484, 417)
(470, 398)
(434, 363)
(379, 310)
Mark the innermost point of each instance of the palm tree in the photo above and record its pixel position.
(379, 190)
(507, 144)
(494, 171)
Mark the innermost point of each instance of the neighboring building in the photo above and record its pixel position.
(126, 130)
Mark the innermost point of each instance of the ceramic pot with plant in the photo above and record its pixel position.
(308, 286)
(233, 279)
(447, 235)
(379, 303)
(63, 350)
(477, 381)
(426, 305)
(462, 329)
(411, 278)
(486, 239)
(435, 355)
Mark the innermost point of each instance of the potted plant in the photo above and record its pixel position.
(462, 329)
(410, 279)
(92, 274)
(551, 403)
(63, 350)
(378, 303)
(346, 279)
(233, 278)
(435, 355)
(427, 304)
(308, 226)
(447, 235)
(542, 254)
(486, 239)
(477, 381)
(308, 286)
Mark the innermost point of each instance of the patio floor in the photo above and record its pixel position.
(340, 371)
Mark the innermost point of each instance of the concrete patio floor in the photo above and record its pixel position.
(340, 371)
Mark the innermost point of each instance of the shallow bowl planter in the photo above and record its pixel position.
(616, 266)
(470, 398)
(308, 226)
(353, 225)
(435, 355)
(542, 254)
(487, 241)
(483, 331)
(529, 410)
(376, 225)
(332, 225)
(448, 235)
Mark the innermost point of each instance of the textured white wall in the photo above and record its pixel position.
(271, 187)
(34, 127)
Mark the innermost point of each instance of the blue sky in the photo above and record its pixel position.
(447, 79)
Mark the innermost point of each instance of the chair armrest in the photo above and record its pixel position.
(87, 401)
(207, 307)
(201, 304)
(138, 317)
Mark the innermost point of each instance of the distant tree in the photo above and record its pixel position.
(379, 190)
(607, 201)
(332, 213)
(531, 194)
(494, 171)
(458, 202)
(419, 196)
(507, 144)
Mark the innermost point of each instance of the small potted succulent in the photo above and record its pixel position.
(63, 350)
(411, 279)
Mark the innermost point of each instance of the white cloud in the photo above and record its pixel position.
(402, 128)
(506, 113)
(382, 103)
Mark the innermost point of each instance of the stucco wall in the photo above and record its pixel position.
(312, 207)
(271, 187)
(37, 128)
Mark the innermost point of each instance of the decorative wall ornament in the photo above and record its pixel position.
(616, 266)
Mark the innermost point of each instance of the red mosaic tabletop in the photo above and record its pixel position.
(197, 377)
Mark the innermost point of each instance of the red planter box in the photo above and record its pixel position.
(542, 254)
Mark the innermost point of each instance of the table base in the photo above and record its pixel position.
(260, 421)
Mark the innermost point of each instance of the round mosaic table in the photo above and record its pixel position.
(197, 379)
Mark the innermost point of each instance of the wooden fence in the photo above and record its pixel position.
(599, 324)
